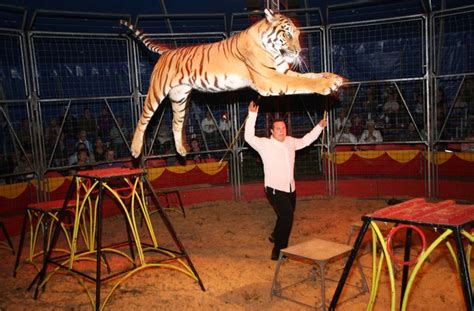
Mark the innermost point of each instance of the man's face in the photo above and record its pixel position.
(109, 156)
(279, 131)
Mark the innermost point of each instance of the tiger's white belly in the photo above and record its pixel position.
(215, 84)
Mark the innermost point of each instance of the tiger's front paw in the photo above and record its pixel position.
(136, 148)
(334, 78)
(181, 150)
(326, 86)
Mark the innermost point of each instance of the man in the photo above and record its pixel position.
(371, 135)
(278, 157)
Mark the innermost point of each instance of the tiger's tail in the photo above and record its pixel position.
(150, 44)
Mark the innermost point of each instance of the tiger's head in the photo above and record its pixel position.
(281, 38)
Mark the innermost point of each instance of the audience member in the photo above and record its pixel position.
(410, 133)
(468, 145)
(52, 134)
(24, 164)
(357, 126)
(105, 123)
(110, 160)
(88, 123)
(210, 129)
(391, 108)
(70, 126)
(195, 151)
(341, 121)
(116, 140)
(24, 135)
(164, 139)
(61, 152)
(74, 157)
(346, 137)
(371, 135)
(82, 139)
(83, 162)
(99, 150)
(418, 107)
(440, 107)
(370, 103)
(224, 127)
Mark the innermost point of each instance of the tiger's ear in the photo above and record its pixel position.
(269, 15)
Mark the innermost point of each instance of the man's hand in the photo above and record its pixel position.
(253, 107)
(323, 123)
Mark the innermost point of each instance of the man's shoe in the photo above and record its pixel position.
(275, 254)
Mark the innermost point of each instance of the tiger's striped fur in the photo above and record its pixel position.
(259, 57)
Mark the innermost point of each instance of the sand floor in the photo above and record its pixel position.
(228, 245)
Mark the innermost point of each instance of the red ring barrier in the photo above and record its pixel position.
(390, 248)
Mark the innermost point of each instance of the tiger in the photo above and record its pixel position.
(260, 57)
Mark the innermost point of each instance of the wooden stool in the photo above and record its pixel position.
(8, 243)
(41, 218)
(319, 253)
(172, 201)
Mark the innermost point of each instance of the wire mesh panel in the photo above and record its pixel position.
(98, 125)
(311, 55)
(12, 69)
(378, 51)
(453, 60)
(375, 54)
(16, 136)
(385, 100)
(453, 43)
(80, 66)
(454, 67)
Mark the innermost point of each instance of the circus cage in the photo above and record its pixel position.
(62, 73)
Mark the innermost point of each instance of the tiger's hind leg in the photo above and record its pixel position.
(179, 97)
(149, 108)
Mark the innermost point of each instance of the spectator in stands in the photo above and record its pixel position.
(371, 135)
(341, 121)
(357, 126)
(418, 107)
(70, 126)
(410, 133)
(61, 152)
(224, 125)
(370, 103)
(105, 124)
(210, 129)
(74, 157)
(99, 150)
(468, 145)
(440, 107)
(52, 134)
(82, 139)
(164, 139)
(195, 150)
(6, 167)
(110, 160)
(391, 108)
(83, 162)
(24, 134)
(346, 137)
(116, 140)
(24, 164)
(88, 123)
